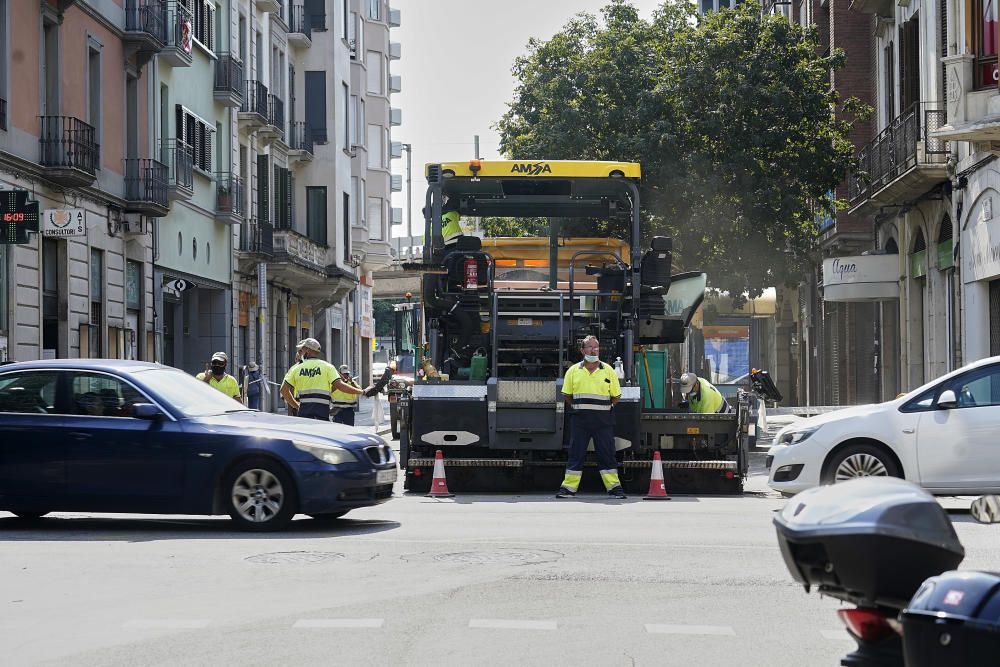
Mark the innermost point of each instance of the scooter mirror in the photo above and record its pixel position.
(986, 509)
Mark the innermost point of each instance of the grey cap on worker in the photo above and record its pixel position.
(688, 381)
(344, 368)
(220, 356)
(309, 344)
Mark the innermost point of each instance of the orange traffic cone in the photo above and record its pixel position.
(439, 485)
(657, 487)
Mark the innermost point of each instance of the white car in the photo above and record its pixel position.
(944, 436)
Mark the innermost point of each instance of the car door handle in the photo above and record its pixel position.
(907, 430)
(80, 435)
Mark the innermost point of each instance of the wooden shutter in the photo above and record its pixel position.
(315, 111)
(210, 26)
(262, 189)
(180, 131)
(205, 152)
(943, 13)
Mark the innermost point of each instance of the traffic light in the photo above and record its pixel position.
(18, 216)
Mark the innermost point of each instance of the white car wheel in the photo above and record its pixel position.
(860, 460)
(859, 465)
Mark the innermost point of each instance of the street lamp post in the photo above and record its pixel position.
(409, 201)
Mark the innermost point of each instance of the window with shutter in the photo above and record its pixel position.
(180, 131)
(262, 189)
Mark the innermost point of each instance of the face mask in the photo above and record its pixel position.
(591, 358)
(218, 370)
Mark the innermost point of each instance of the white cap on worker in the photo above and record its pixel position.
(344, 368)
(220, 356)
(309, 344)
(688, 381)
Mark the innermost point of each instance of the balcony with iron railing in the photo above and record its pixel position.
(179, 31)
(254, 110)
(257, 238)
(68, 150)
(146, 187)
(902, 162)
(300, 141)
(276, 117)
(179, 159)
(300, 27)
(145, 26)
(229, 198)
(229, 83)
(298, 260)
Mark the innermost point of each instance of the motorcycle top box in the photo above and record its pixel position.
(870, 541)
(954, 619)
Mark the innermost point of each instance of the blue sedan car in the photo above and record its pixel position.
(94, 435)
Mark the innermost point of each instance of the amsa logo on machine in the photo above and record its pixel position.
(531, 169)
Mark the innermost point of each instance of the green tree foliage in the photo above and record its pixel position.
(383, 313)
(730, 115)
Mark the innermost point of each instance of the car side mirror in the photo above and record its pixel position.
(947, 400)
(147, 411)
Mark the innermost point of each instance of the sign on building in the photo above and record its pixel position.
(367, 324)
(64, 222)
(18, 216)
(861, 278)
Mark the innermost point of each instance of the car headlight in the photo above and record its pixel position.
(326, 453)
(796, 436)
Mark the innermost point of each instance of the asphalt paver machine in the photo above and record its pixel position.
(502, 321)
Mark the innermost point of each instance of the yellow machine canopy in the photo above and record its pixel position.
(538, 188)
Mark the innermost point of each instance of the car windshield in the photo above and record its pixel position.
(189, 396)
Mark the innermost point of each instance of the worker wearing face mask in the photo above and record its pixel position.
(215, 376)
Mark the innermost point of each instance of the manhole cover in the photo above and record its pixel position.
(282, 557)
(500, 557)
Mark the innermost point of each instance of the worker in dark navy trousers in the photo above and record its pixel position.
(591, 390)
(309, 384)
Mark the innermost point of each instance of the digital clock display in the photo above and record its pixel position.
(18, 216)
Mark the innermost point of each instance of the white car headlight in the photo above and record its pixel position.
(796, 436)
(326, 453)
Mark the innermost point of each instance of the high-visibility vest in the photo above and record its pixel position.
(312, 380)
(450, 228)
(227, 384)
(591, 391)
(343, 399)
(709, 399)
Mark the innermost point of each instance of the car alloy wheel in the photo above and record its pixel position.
(863, 459)
(260, 495)
(860, 465)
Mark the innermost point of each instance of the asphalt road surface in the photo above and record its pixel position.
(474, 580)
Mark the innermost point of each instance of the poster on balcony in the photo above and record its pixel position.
(367, 320)
(62, 222)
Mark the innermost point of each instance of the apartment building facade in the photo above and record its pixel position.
(304, 236)
(234, 189)
(196, 86)
(75, 82)
(972, 103)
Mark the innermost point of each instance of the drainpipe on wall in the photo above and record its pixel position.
(262, 324)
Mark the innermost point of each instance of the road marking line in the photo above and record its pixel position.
(166, 624)
(339, 623)
(718, 630)
(506, 624)
(836, 635)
